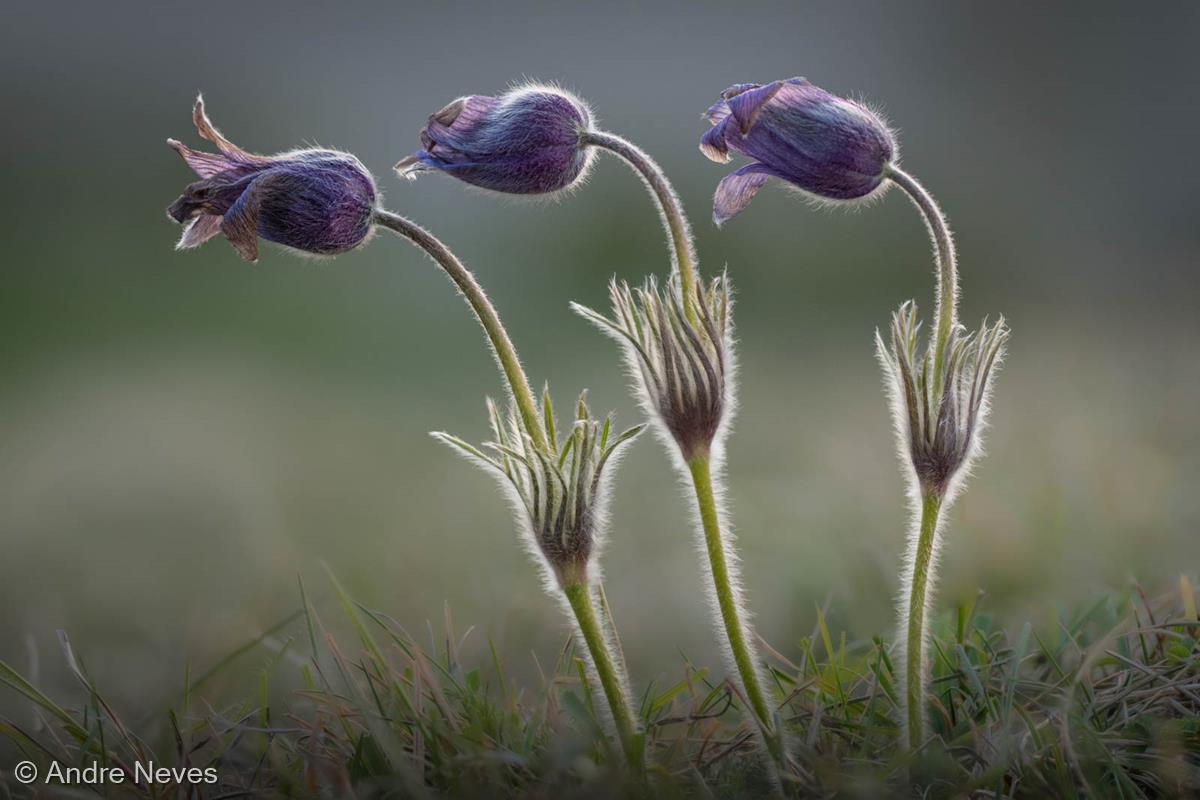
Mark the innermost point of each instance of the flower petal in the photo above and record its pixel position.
(413, 165)
(209, 131)
(199, 231)
(745, 105)
(205, 165)
(240, 224)
(449, 112)
(720, 109)
(737, 189)
(713, 145)
(738, 88)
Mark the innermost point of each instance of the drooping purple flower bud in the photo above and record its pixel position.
(526, 141)
(827, 146)
(316, 201)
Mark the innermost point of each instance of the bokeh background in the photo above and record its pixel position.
(182, 434)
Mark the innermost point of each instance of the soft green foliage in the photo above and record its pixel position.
(1105, 703)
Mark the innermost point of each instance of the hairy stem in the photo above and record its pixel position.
(670, 208)
(744, 656)
(485, 312)
(579, 595)
(947, 266)
(914, 668)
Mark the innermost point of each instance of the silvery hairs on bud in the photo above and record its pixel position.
(939, 436)
(684, 372)
(561, 498)
(527, 141)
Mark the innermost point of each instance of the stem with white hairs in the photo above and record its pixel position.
(579, 595)
(923, 556)
(947, 266)
(670, 209)
(744, 656)
(485, 312)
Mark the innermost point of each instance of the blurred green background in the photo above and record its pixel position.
(181, 434)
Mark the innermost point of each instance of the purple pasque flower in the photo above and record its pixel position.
(316, 201)
(526, 141)
(827, 146)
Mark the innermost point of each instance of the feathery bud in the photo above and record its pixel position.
(940, 434)
(827, 146)
(562, 496)
(526, 141)
(683, 370)
(315, 201)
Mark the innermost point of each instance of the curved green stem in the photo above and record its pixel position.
(579, 595)
(915, 680)
(743, 652)
(670, 208)
(947, 266)
(485, 312)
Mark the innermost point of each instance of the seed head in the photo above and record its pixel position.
(829, 147)
(940, 431)
(683, 370)
(527, 141)
(561, 497)
(315, 201)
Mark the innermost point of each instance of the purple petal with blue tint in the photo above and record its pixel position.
(744, 106)
(737, 189)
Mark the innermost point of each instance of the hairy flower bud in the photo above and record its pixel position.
(561, 496)
(940, 433)
(316, 201)
(830, 147)
(682, 369)
(526, 141)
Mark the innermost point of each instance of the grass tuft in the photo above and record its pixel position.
(1105, 703)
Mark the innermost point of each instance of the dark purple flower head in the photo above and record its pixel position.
(829, 147)
(316, 201)
(527, 141)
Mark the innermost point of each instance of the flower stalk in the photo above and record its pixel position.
(485, 312)
(683, 375)
(946, 301)
(579, 596)
(744, 657)
(679, 233)
(916, 642)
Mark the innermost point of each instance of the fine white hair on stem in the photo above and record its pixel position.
(684, 377)
(938, 435)
(903, 606)
(680, 243)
